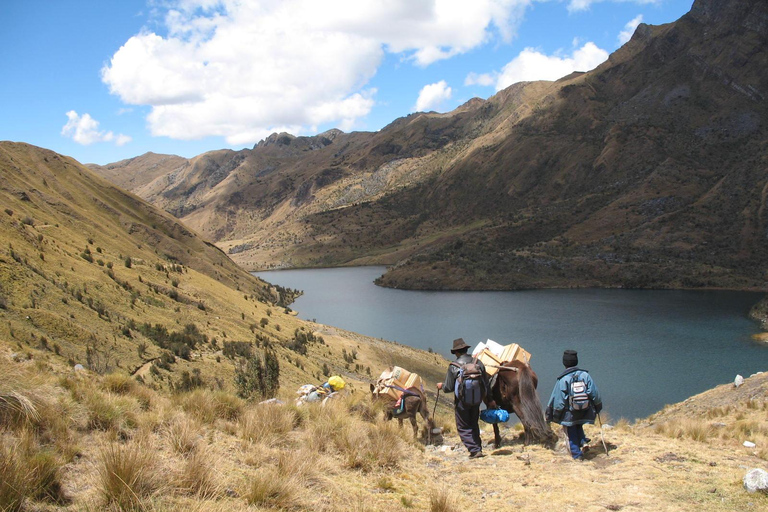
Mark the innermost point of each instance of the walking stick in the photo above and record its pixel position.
(437, 396)
(601, 434)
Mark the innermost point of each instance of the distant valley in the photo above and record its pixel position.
(647, 172)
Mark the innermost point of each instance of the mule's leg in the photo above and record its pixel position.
(400, 422)
(415, 427)
(496, 436)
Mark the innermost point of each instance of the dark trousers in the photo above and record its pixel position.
(467, 419)
(576, 439)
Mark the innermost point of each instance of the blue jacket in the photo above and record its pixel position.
(558, 409)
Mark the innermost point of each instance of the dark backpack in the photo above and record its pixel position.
(469, 388)
(578, 399)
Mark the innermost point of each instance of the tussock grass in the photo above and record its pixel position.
(366, 447)
(269, 424)
(126, 475)
(28, 470)
(440, 500)
(184, 434)
(17, 411)
(686, 429)
(111, 412)
(319, 433)
(270, 489)
(302, 464)
(119, 383)
(198, 476)
(210, 406)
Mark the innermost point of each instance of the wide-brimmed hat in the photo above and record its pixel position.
(458, 344)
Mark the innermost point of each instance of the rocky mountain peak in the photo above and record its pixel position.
(749, 14)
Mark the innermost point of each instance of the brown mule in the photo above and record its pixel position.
(514, 390)
(413, 405)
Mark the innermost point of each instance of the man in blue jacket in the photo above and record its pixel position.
(573, 406)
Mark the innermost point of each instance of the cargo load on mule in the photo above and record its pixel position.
(513, 388)
(403, 395)
(492, 355)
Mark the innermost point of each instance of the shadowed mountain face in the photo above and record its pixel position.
(649, 171)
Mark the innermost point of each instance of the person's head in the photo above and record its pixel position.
(459, 347)
(570, 358)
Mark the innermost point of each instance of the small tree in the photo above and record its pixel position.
(258, 377)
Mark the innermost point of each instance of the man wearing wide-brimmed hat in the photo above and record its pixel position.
(467, 416)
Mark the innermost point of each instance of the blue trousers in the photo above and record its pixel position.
(576, 439)
(467, 425)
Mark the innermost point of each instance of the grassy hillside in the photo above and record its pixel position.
(95, 276)
(79, 441)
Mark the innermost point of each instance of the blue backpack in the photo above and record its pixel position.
(469, 388)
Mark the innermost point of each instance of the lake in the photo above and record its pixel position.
(644, 348)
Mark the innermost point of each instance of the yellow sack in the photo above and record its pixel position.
(337, 383)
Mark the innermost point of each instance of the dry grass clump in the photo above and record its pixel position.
(28, 470)
(269, 424)
(126, 475)
(210, 406)
(685, 428)
(119, 383)
(366, 447)
(302, 464)
(440, 500)
(184, 434)
(320, 431)
(17, 411)
(198, 476)
(111, 412)
(268, 488)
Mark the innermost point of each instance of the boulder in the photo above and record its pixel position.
(738, 381)
(756, 480)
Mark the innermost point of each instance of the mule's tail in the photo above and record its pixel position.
(530, 413)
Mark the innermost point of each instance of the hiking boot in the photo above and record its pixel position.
(476, 455)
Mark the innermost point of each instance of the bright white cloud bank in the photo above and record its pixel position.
(534, 65)
(432, 96)
(629, 29)
(583, 5)
(244, 68)
(85, 130)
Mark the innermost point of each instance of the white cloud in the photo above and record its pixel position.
(122, 140)
(531, 65)
(85, 130)
(432, 96)
(583, 5)
(629, 29)
(484, 79)
(242, 68)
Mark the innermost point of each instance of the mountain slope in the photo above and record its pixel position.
(648, 171)
(94, 275)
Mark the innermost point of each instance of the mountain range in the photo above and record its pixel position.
(648, 171)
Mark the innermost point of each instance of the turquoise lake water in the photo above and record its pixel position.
(644, 348)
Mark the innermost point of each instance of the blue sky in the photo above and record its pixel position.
(105, 80)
